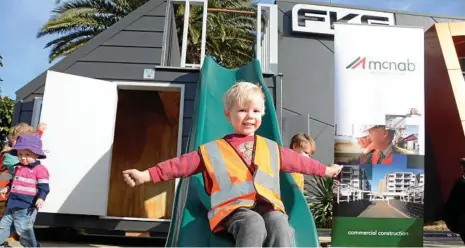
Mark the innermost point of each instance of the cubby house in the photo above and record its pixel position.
(125, 85)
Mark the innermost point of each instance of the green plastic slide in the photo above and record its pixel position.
(189, 223)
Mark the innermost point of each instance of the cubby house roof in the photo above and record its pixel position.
(152, 10)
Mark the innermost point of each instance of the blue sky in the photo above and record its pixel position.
(399, 164)
(24, 56)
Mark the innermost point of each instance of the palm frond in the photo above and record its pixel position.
(78, 21)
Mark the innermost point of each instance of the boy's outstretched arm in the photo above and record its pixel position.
(183, 166)
(293, 162)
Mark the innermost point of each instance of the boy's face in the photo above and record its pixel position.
(246, 119)
(303, 150)
(26, 157)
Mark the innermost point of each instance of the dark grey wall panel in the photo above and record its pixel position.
(293, 125)
(187, 124)
(23, 112)
(147, 24)
(137, 55)
(137, 39)
(307, 66)
(27, 106)
(188, 108)
(308, 85)
(323, 134)
(26, 116)
(415, 21)
(110, 71)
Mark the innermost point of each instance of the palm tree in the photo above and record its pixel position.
(229, 36)
(321, 200)
(78, 21)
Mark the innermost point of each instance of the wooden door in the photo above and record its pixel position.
(80, 116)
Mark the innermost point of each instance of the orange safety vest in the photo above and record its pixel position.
(375, 158)
(299, 180)
(233, 185)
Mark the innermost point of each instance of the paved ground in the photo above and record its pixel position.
(381, 209)
(57, 239)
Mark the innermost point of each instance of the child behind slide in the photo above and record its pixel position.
(303, 144)
(241, 174)
(27, 190)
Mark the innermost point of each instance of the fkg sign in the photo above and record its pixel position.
(307, 18)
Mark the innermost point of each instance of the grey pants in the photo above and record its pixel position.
(251, 229)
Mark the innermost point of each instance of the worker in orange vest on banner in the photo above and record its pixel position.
(241, 174)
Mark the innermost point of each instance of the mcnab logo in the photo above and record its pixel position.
(375, 65)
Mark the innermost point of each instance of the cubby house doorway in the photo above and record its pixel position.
(95, 130)
(146, 132)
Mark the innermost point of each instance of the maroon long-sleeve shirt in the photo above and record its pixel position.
(191, 163)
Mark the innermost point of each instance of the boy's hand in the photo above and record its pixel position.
(39, 203)
(333, 170)
(134, 177)
(4, 191)
(42, 126)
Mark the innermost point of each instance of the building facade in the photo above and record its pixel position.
(146, 40)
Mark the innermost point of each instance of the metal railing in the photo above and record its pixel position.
(267, 44)
(266, 41)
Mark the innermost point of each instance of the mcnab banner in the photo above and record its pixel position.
(379, 136)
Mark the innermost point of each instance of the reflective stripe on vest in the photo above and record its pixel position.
(240, 202)
(263, 178)
(16, 188)
(26, 180)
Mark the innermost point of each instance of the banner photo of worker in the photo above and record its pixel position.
(379, 136)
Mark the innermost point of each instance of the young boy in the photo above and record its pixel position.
(28, 190)
(241, 174)
(304, 145)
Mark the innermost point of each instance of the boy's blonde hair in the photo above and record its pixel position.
(20, 129)
(241, 94)
(303, 140)
(16, 131)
